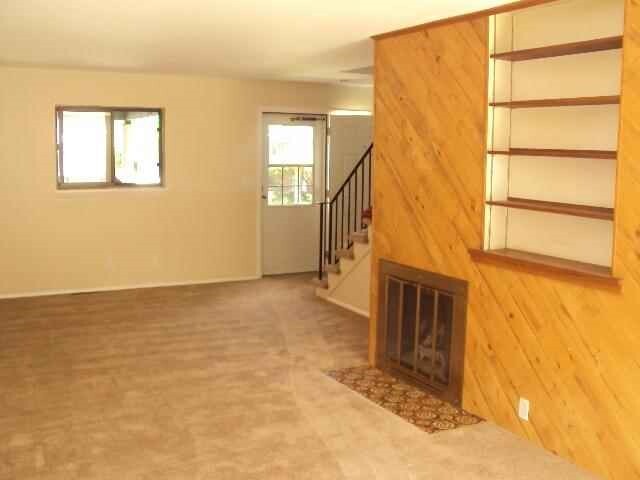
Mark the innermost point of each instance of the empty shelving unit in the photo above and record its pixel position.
(552, 138)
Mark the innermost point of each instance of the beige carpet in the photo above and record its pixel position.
(216, 382)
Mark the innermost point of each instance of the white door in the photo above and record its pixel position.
(293, 184)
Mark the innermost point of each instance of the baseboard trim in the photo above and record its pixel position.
(346, 306)
(49, 293)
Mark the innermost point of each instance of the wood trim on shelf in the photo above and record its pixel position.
(537, 263)
(586, 211)
(559, 50)
(560, 102)
(509, 7)
(557, 152)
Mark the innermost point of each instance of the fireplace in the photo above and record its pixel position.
(421, 328)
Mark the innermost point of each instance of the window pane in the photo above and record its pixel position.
(275, 176)
(136, 139)
(289, 195)
(274, 196)
(306, 195)
(84, 142)
(306, 176)
(290, 145)
(306, 185)
(290, 176)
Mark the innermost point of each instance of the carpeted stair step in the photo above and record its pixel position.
(360, 237)
(345, 253)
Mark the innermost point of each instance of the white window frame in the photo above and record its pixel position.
(111, 179)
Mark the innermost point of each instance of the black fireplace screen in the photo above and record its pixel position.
(422, 327)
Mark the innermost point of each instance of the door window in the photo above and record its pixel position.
(290, 165)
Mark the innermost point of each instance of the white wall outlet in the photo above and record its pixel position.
(523, 409)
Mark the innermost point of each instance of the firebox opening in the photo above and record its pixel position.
(423, 317)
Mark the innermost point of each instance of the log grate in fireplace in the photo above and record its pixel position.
(421, 332)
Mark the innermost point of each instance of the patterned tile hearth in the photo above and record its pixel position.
(420, 408)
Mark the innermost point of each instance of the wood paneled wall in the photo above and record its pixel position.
(572, 349)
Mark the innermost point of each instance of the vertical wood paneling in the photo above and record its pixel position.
(573, 350)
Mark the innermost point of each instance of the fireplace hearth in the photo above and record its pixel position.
(421, 328)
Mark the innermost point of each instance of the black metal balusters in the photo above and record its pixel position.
(338, 217)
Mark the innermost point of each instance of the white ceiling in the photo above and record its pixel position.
(279, 39)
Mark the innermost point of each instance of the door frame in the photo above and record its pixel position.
(260, 165)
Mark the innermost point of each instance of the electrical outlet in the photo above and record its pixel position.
(523, 409)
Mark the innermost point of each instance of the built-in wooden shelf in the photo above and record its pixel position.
(547, 264)
(560, 102)
(587, 211)
(557, 152)
(587, 46)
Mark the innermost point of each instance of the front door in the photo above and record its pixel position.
(293, 184)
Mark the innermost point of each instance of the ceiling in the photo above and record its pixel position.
(277, 39)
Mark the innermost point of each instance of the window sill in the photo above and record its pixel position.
(293, 206)
(109, 188)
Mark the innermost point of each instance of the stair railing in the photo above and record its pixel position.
(337, 223)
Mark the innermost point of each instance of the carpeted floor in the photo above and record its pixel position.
(423, 410)
(217, 382)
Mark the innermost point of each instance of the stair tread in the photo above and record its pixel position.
(345, 253)
(332, 268)
(360, 237)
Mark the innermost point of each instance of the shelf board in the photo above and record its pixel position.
(547, 264)
(560, 102)
(586, 211)
(557, 152)
(587, 46)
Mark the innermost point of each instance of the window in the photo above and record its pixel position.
(290, 169)
(110, 147)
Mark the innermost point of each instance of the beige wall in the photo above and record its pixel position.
(202, 226)
(353, 290)
(350, 138)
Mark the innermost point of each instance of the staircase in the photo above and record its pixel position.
(344, 268)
